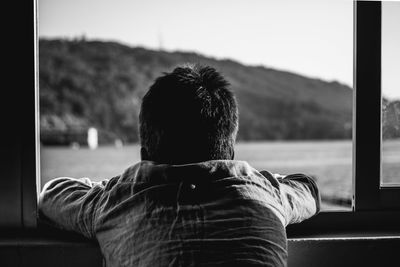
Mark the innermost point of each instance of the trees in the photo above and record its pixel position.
(100, 84)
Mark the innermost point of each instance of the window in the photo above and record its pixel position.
(375, 205)
(369, 193)
(390, 94)
(292, 78)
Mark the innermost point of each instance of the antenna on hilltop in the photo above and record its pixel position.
(160, 41)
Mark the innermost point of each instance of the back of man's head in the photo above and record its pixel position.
(188, 115)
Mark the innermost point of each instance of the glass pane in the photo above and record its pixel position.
(289, 64)
(391, 92)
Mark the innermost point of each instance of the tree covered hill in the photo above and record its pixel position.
(100, 84)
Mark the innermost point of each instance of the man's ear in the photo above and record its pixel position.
(143, 154)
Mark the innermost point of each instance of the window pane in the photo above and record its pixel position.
(288, 62)
(391, 92)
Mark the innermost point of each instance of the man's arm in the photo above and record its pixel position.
(70, 203)
(299, 196)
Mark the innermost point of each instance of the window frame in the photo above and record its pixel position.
(31, 138)
(374, 207)
(371, 210)
(369, 193)
(20, 165)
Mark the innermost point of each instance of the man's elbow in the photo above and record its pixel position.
(49, 192)
(314, 190)
(54, 194)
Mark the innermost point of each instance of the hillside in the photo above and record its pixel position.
(95, 83)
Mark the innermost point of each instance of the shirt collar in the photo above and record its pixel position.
(148, 171)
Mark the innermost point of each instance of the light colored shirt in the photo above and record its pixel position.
(221, 212)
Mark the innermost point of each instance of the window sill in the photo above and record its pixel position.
(53, 247)
(346, 223)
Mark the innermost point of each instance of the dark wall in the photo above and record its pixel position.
(369, 251)
(344, 251)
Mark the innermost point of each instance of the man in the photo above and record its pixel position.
(187, 203)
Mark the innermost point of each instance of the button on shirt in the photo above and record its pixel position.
(221, 212)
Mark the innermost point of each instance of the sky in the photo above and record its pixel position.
(391, 49)
(312, 38)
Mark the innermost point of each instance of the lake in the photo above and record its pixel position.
(329, 161)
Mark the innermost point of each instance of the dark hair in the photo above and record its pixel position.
(188, 115)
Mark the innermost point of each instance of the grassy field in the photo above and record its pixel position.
(329, 161)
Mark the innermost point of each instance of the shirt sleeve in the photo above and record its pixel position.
(70, 203)
(299, 196)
